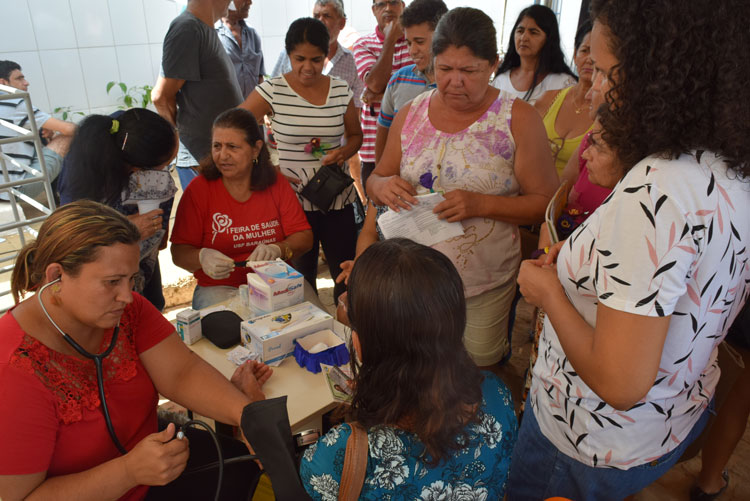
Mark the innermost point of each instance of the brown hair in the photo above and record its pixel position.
(263, 171)
(410, 322)
(71, 237)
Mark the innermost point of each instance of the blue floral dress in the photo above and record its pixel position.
(396, 469)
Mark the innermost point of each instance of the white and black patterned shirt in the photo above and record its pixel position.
(14, 111)
(670, 240)
(296, 122)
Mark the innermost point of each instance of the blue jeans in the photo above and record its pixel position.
(539, 471)
(186, 166)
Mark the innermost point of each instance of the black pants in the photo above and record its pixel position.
(240, 479)
(367, 168)
(337, 233)
(153, 290)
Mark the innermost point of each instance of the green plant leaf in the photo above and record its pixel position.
(124, 88)
(109, 86)
(128, 101)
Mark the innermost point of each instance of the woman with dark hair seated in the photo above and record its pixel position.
(315, 123)
(534, 62)
(639, 297)
(119, 162)
(437, 427)
(73, 429)
(239, 209)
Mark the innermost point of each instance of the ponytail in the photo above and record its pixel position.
(104, 150)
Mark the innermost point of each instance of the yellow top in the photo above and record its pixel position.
(562, 148)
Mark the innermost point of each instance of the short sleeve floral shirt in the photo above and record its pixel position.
(671, 240)
(397, 471)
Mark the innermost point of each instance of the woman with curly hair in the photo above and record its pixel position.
(534, 62)
(643, 291)
(437, 427)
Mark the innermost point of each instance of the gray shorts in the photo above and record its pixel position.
(53, 162)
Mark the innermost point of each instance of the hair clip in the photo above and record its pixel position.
(124, 142)
(115, 126)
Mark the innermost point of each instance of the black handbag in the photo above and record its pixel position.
(325, 186)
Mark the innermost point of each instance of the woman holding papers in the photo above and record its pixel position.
(239, 209)
(486, 153)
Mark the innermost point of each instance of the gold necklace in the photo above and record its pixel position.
(579, 109)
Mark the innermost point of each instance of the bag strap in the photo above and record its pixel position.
(355, 464)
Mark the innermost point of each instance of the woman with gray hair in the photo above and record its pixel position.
(487, 152)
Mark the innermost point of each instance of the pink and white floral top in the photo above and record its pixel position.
(670, 240)
(479, 159)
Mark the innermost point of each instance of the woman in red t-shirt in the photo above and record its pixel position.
(54, 438)
(240, 208)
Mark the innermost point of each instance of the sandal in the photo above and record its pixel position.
(697, 494)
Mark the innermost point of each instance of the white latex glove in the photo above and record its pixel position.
(265, 252)
(215, 264)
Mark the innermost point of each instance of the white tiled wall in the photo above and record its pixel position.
(70, 49)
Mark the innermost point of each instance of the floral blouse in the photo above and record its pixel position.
(479, 159)
(671, 240)
(396, 469)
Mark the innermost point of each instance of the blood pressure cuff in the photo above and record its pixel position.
(222, 328)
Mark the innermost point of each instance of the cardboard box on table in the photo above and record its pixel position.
(274, 285)
(272, 336)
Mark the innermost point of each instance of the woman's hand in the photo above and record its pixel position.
(551, 256)
(157, 459)
(459, 205)
(148, 224)
(250, 377)
(215, 264)
(346, 270)
(294, 180)
(334, 156)
(393, 191)
(538, 281)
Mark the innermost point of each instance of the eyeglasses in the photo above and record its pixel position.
(390, 3)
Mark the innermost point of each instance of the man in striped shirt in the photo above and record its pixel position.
(419, 21)
(378, 55)
(58, 133)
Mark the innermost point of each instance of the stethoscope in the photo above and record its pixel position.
(97, 358)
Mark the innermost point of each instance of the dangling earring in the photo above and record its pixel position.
(255, 161)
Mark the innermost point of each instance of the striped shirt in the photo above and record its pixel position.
(14, 111)
(341, 65)
(366, 52)
(406, 84)
(296, 122)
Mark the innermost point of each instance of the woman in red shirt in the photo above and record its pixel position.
(240, 208)
(54, 438)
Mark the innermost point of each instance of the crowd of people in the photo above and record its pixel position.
(638, 279)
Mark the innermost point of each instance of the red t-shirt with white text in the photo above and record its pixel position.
(208, 216)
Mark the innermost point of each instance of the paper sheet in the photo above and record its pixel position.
(420, 223)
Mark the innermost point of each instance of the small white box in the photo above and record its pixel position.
(326, 336)
(189, 325)
(272, 335)
(274, 285)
